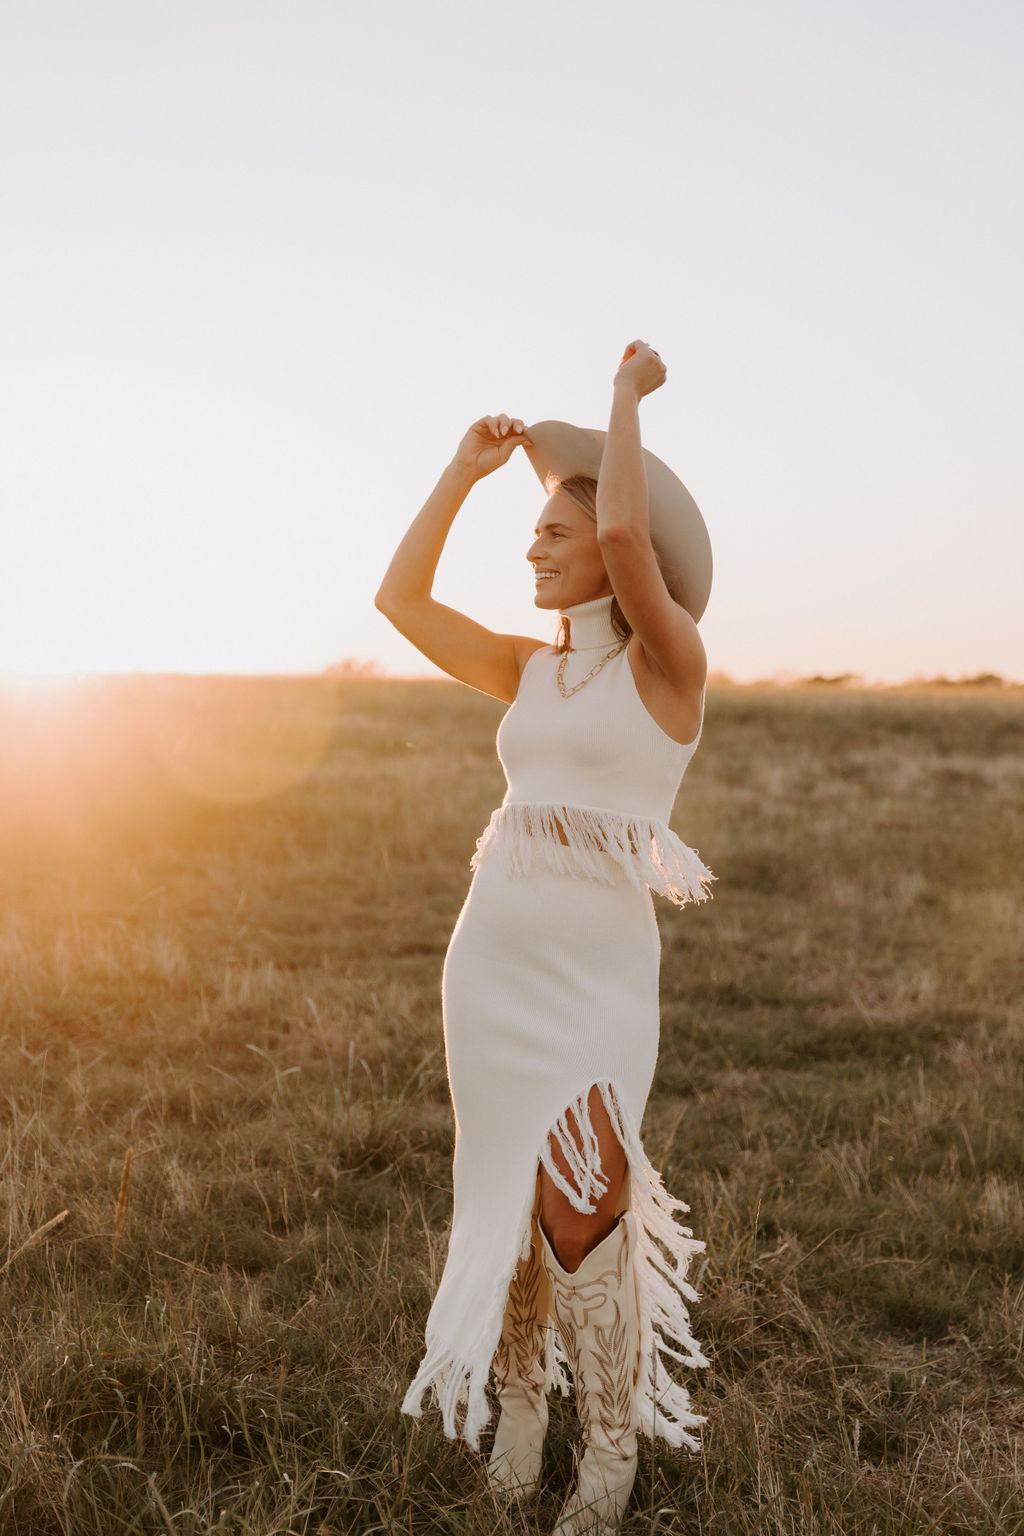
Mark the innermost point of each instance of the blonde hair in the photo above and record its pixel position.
(582, 491)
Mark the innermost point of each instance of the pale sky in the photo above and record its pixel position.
(263, 263)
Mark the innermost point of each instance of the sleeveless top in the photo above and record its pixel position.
(592, 778)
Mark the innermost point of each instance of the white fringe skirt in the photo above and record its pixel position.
(550, 988)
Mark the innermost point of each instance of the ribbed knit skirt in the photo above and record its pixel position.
(550, 988)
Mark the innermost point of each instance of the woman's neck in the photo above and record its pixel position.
(589, 625)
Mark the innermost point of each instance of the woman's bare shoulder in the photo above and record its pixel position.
(525, 647)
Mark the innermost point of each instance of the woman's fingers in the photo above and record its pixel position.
(502, 426)
(642, 366)
(636, 346)
(490, 442)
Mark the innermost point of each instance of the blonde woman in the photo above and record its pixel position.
(565, 1247)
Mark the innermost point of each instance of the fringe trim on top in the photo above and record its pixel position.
(664, 1251)
(596, 844)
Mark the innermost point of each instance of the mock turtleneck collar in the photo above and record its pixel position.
(590, 624)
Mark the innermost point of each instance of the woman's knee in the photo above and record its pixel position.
(572, 1234)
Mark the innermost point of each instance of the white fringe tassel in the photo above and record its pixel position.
(458, 1375)
(597, 844)
(664, 1250)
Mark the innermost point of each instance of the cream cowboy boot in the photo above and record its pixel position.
(519, 1375)
(596, 1311)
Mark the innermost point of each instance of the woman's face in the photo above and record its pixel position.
(567, 564)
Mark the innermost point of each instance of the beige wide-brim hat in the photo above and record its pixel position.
(678, 531)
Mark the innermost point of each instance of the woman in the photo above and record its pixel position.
(565, 1246)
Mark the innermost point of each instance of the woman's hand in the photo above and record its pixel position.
(489, 443)
(641, 370)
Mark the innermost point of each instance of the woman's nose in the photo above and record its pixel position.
(533, 553)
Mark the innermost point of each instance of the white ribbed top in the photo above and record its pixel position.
(591, 778)
(599, 748)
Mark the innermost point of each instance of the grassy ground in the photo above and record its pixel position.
(225, 905)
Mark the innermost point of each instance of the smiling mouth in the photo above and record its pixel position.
(544, 575)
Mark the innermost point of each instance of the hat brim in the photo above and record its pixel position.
(678, 531)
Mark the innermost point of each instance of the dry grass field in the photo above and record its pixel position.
(224, 1166)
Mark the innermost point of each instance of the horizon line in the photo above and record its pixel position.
(358, 668)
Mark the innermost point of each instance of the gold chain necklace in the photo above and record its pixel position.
(567, 693)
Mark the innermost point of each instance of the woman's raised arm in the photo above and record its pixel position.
(451, 640)
(671, 665)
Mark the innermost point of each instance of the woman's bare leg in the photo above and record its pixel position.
(571, 1233)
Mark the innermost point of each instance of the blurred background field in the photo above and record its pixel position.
(225, 905)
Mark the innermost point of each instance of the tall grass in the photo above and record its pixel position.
(224, 1177)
